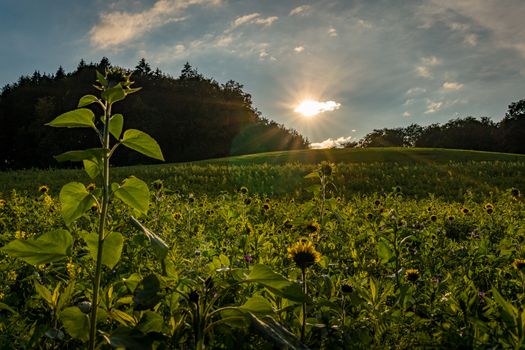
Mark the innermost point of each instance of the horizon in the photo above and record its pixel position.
(359, 65)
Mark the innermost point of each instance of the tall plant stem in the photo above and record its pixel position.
(101, 227)
(303, 323)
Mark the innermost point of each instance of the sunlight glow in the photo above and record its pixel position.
(309, 108)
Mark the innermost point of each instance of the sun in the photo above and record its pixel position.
(310, 108)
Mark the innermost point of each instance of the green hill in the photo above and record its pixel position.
(367, 155)
(443, 172)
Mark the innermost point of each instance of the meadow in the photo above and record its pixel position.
(340, 249)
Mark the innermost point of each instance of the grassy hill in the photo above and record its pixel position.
(367, 155)
(447, 173)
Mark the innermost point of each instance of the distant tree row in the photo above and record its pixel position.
(192, 117)
(470, 133)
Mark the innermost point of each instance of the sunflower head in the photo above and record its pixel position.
(412, 274)
(91, 187)
(465, 210)
(43, 189)
(266, 206)
(433, 217)
(519, 264)
(313, 227)
(515, 192)
(2, 203)
(303, 253)
(243, 190)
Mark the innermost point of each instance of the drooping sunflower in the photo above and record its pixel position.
(519, 264)
(91, 187)
(303, 253)
(412, 274)
(43, 189)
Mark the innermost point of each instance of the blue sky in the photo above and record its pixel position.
(383, 63)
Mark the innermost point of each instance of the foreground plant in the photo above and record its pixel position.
(304, 255)
(76, 199)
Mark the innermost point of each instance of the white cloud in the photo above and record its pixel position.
(406, 114)
(431, 61)
(452, 85)
(268, 21)
(433, 106)
(300, 10)
(239, 21)
(471, 39)
(253, 18)
(331, 143)
(364, 24)
(119, 27)
(299, 49)
(423, 71)
(332, 32)
(503, 19)
(223, 41)
(415, 91)
(311, 108)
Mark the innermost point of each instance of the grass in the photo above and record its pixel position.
(419, 171)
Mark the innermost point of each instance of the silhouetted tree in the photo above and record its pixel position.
(512, 128)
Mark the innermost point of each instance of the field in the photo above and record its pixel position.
(383, 248)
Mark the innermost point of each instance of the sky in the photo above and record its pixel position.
(362, 65)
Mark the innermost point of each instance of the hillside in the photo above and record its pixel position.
(446, 173)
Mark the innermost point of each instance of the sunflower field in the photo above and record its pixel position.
(316, 267)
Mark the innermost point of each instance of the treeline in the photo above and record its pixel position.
(469, 133)
(191, 116)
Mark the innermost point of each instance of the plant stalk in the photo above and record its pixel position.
(303, 323)
(101, 227)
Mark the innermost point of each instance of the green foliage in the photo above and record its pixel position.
(75, 200)
(79, 118)
(134, 192)
(49, 247)
(143, 143)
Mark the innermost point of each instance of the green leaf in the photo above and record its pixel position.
(78, 118)
(135, 193)
(133, 339)
(114, 94)
(116, 123)
(143, 143)
(75, 201)
(111, 251)
(51, 246)
(275, 333)
(257, 305)
(7, 308)
(101, 79)
(76, 323)
(267, 277)
(44, 293)
(383, 250)
(93, 167)
(276, 283)
(87, 100)
(78, 156)
(150, 322)
(148, 293)
(160, 248)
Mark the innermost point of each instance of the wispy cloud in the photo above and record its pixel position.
(120, 27)
(253, 18)
(406, 114)
(299, 49)
(300, 10)
(433, 106)
(331, 143)
(332, 32)
(452, 85)
(423, 71)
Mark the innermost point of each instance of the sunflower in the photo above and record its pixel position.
(519, 264)
(243, 190)
(313, 227)
(266, 206)
(2, 203)
(412, 274)
(43, 189)
(303, 253)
